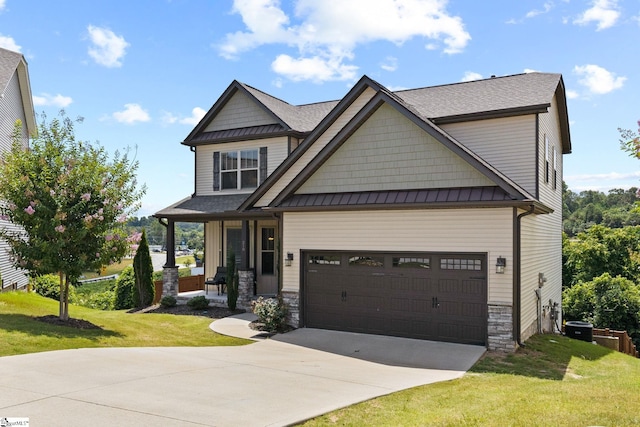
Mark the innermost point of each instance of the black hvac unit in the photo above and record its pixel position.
(579, 330)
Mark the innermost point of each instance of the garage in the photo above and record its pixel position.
(432, 296)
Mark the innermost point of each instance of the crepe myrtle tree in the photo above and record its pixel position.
(71, 200)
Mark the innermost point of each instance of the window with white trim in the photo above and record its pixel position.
(239, 169)
(555, 168)
(546, 159)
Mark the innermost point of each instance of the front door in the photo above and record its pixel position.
(266, 262)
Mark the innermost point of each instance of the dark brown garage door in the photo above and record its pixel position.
(439, 297)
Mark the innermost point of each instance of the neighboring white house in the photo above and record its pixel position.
(15, 104)
(430, 213)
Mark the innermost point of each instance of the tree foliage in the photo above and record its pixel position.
(602, 250)
(616, 209)
(125, 285)
(72, 201)
(144, 290)
(607, 302)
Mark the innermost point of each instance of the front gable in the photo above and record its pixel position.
(389, 152)
(239, 112)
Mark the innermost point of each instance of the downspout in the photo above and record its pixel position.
(195, 170)
(517, 293)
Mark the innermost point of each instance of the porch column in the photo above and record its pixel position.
(245, 253)
(170, 270)
(170, 243)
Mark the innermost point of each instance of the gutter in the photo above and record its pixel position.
(517, 290)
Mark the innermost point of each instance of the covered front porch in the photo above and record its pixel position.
(251, 237)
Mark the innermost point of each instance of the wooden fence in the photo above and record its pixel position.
(625, 344)
(185, 284)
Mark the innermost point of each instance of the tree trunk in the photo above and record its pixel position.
(64, 297)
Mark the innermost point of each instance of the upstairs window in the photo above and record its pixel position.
(239, 169)
(546, 159)
(555, 168)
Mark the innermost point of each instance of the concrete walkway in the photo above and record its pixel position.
(272, 382)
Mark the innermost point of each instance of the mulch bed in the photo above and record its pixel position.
(73, 323)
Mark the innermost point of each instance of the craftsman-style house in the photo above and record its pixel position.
(430, 213)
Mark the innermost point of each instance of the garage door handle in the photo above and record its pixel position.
(434, 302)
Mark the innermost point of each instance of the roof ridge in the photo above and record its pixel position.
(492, 78)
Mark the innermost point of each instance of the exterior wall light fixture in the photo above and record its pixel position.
(289, 259)
(501, 263)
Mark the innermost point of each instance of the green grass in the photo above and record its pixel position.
(111, 269)
(86, 289)
(21, 333)
(554, 381)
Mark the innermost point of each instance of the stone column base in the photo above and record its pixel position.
(246, 280)
(500, 328)
(170, 281)
(291, 301)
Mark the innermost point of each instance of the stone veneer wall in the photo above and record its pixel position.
(246, 280)
(500, 328)
(291, 300)
(170, 281)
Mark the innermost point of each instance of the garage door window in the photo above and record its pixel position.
(324, 259)
(406, 262)
(366, 261)
(460, 264)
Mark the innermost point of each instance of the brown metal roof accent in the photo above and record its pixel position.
(241, 134)
(399, 197)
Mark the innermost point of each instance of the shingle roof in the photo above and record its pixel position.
(302, 118)
(199, 206)
(482, 96)
(8, 63)
(233, 134)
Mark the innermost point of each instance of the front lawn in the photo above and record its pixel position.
(21, 333)
(554, 381)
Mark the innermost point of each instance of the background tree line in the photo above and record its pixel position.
(601, 259)
(190, 234)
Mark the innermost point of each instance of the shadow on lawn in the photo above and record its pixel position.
(544, 356)
(49, 326)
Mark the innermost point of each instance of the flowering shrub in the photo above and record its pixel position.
(48, 285)
(271, 312)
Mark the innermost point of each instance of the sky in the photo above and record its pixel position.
(143, 73)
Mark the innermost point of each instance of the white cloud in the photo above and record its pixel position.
(470, 76)
(46, 99)
(535, 12)
(390, 64)
(326, 36)
(316, 69)
(196, 115)
(602, 181)
(604, 12)
(529, 70)
(572, 94)
(9, 43)
(131, 114)
(2, 4)
(108, 49)
(597, 79)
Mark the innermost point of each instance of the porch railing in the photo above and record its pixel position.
(185, 284)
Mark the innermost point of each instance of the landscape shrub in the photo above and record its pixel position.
(168, 301)
(99, 300)
(125, 285)
(144, 290)
(48, 286)
(198, 303)
(271, 313)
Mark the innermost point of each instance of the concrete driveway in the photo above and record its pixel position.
(272, 382)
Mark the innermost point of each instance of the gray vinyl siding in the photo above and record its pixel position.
(277, 150)
(240, 112)
(11, 109)
(312, 151)
(542, 234)
(438, 230)
(389, 152)
(508, 144)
